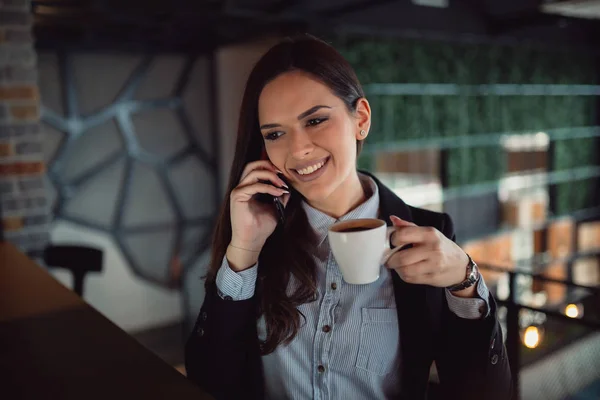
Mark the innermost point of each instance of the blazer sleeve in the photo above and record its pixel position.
(470, 354)
(222, 353)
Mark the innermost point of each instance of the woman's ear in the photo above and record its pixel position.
(363, 118)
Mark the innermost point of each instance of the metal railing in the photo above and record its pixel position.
(514, 307)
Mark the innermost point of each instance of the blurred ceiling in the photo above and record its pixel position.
(202, 25)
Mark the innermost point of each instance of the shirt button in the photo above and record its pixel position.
(334, 286)
(203, 316)
(326, 328)
(200, 332)
(494, 359)
(321, 369)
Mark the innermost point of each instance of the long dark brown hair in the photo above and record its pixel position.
(288, 251)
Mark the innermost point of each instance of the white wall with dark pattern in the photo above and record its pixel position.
(128, 142)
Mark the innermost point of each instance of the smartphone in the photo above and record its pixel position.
(270, 199)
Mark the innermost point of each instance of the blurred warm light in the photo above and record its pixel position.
(532, 337)
(53, 10)
(574, 311)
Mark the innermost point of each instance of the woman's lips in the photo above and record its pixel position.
(313, 175)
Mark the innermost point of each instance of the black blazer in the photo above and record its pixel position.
(222, 353)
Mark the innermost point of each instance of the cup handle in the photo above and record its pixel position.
(389, 249)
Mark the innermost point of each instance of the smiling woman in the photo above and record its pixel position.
(278, 320)
(314, 136)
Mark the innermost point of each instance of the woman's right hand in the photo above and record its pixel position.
(252, 222)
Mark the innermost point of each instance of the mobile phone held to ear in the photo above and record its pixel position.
(270, 199)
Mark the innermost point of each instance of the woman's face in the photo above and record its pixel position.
(310, 135)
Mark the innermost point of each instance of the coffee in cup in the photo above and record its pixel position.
(360, 247)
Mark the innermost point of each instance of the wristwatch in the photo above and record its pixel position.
(470, 280)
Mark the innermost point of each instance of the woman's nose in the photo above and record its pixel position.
(300, 145)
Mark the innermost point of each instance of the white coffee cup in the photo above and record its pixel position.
(360, 247)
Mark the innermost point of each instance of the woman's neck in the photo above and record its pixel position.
(346, 198)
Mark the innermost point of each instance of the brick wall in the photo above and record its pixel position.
(23, 203)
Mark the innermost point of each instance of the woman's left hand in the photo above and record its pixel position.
(433, 260)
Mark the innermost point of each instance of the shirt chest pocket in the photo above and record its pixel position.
(379, 346)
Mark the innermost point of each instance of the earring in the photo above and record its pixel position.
(363, 133)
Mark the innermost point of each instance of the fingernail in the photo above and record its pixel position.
(284, 191)
(285, 186)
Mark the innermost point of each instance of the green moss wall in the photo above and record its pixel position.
(425, 117)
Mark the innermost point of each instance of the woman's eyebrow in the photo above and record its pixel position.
(310, 111)
(301, 116)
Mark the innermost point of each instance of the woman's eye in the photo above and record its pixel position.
(315, 121)
(273, 135)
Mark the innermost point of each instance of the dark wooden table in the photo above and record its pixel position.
(53, 345)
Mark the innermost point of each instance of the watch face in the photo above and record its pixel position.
(474, 272)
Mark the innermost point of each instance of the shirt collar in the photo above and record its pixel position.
(321, 222)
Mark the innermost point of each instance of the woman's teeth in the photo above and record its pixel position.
(311, 169)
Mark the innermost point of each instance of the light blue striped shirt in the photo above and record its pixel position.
(349, 345)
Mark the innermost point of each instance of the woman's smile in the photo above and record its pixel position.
(309, 171)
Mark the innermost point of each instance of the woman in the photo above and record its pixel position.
(278, 321)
